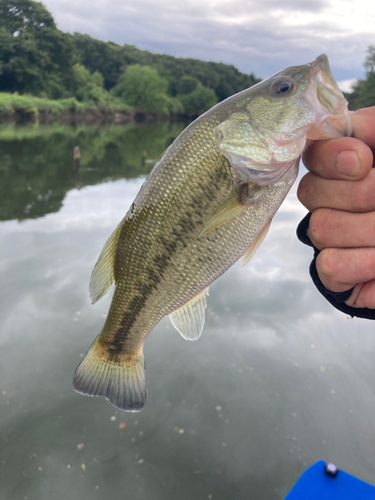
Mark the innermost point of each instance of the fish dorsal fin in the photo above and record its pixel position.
(189, 319)
(229, 209)
(255, 244)
(103, 274)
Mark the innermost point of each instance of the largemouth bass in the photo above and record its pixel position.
(208, 201)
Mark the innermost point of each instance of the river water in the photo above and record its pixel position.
(278, 380)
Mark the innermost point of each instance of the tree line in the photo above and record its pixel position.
(38, 59)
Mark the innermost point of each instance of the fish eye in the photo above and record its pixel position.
(283, 86)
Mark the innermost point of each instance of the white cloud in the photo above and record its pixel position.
(262, 37)
(347, 85)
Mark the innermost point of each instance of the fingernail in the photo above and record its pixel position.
(347, 163)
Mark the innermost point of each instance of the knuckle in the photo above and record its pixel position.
(362, 196)
(329, 265)
(302, 190)
(306, 191)
(319, 228)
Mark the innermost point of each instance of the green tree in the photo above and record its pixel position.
(96, 55)
(363, 94)
(89, 87)
(369, 63)
(35, 56)
(17, 15)
(225, 80)
(187, 84)
(231, 80)
(143, 88)
(198, 101)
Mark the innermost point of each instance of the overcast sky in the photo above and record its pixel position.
(259, 36)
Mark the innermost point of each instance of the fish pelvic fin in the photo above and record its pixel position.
(120, 380)
(103, 274)
(189, 319)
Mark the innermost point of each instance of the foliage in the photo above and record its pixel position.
(369, 63)
(143, 88)
(175, 106)
(89, 87)
(35, 56)
(35, 182)
(10, 103)
(223, 79)
(31, 105)
(198, 101)
(96, 55)
(16, 15)
(363, 94)
(187, 84)
(112, 60)
(38, 59)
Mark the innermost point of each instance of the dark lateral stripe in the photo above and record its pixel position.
(178, 236)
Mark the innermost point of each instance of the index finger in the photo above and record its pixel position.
(345, 158)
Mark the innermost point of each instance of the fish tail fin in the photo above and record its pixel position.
(120, 380)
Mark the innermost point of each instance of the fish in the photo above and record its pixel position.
(208, 201)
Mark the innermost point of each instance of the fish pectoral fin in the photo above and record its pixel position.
(120, 381)
(189, 319)
(255, 244)
(228, 210)
(103, 274)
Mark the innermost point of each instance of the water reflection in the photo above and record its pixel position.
(278, 380)
(36, 162)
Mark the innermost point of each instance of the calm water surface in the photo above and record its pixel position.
(278, 380)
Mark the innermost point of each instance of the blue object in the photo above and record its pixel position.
(325, 482)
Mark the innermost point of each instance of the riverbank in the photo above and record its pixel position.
(29, 109)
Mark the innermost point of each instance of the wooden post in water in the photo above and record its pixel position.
(143, 161)
(76, 158)
(76, 166)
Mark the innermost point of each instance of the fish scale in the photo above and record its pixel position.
(207, 202)
(204, 258)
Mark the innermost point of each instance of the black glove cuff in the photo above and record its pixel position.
(337, 299)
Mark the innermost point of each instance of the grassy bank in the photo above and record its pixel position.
(30, 108)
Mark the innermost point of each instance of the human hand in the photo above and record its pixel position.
(339, 190)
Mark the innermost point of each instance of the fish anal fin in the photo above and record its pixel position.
(189, 319)
(121, 381)
(255, 244)
(103, 274)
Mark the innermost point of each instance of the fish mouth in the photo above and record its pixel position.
(321, 71)
(326, 99)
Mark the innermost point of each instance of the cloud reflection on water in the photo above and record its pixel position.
(278, 379)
